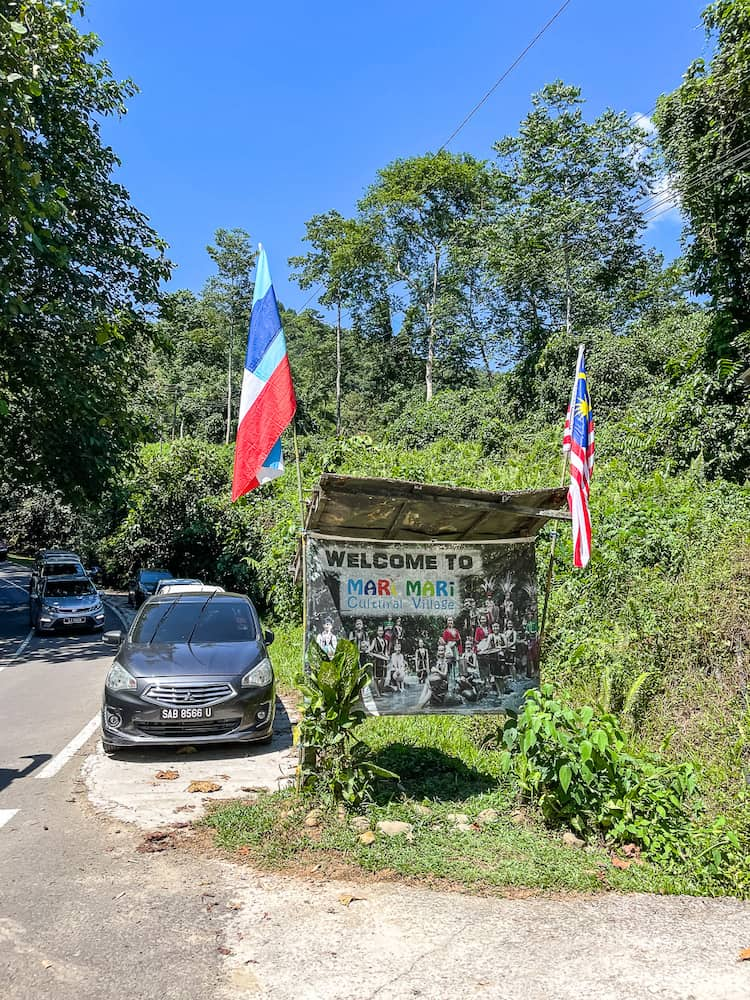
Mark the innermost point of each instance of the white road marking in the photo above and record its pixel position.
(22, 648)
(6, 814)
(18, 586)
(61, 759)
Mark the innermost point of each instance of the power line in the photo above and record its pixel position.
(505, 75)
(720, 168)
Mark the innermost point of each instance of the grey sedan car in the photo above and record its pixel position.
(192, 669)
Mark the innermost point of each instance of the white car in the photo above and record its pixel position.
(188, 587)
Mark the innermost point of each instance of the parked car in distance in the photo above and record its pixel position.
(176, 582)
(4, 548)
(55, 562)
(189, 588)
(144, 585)
(60, 602)
(192, 669)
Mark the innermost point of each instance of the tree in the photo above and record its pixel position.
(80, 267)
(418, 209)
(342, 258)
(229, 294)
(705, 133)
(565, 244)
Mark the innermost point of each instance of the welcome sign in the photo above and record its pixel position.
(440, 626)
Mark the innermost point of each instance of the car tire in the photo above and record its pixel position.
(109, 748)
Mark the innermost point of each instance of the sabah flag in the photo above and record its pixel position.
(267, 403)
(578, 440)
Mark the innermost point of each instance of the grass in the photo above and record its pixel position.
(441, 767)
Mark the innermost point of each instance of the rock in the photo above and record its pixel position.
(341, 813)
(457, 818)
(367, 838)
(203, 786)
(421, 810)
(518, 817)
(360, 824)
(395, 828)
(464, 827)
(570, 840)
(313, 818)
(487, 816)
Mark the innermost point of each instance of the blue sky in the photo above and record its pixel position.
(258, 117)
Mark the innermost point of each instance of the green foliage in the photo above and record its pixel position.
(342, 768)
(81, 267)
(582, 771)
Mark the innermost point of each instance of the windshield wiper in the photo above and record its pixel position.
(161, 621)
(200, 615)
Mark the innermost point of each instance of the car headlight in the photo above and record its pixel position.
(260, 676)
(118, 679)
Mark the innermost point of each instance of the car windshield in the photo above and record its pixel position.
(69, 588)
(195, 621)
(62, 569)
(154, 575)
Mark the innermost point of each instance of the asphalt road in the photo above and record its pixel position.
(82, 914)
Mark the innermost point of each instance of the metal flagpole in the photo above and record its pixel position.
(555, 534)
(303, 544)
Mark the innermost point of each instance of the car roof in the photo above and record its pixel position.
(197, 597)
(68, 578)
(59, 555)
(149, 569)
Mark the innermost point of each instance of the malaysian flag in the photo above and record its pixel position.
(267, 403)
(578, 441)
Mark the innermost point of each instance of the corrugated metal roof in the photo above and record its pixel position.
(348, 506)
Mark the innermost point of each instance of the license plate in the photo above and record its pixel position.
(186, 713)
(73, 621)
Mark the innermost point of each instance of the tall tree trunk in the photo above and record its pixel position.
(567, 289)
(338, 369)
(431, 337)
(229, 381)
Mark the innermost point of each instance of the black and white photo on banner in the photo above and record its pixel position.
(440, 626)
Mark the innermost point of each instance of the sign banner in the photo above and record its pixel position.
(440, 626)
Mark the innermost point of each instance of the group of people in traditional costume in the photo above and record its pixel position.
(480, 652)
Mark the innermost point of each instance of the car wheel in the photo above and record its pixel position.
(109, 748)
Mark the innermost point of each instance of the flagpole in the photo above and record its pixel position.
(563, 471)
(303, 552)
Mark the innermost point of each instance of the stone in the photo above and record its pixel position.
(464, 827)
(457, 818)
(570, 840)
(421, 810)
(313, 818)
(518, 817)
(395, 828)
(487, 816)
(360, 823)
(367, 838)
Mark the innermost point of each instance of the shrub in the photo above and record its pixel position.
(581, 771)
(341, 768)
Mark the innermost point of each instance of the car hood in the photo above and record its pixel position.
(182, 660)
(87, 601)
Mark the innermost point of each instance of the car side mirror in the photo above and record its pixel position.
(268, 636)
(114, 638)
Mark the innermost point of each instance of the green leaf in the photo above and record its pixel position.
(565, 776)
(18, 28)
(585, 750)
